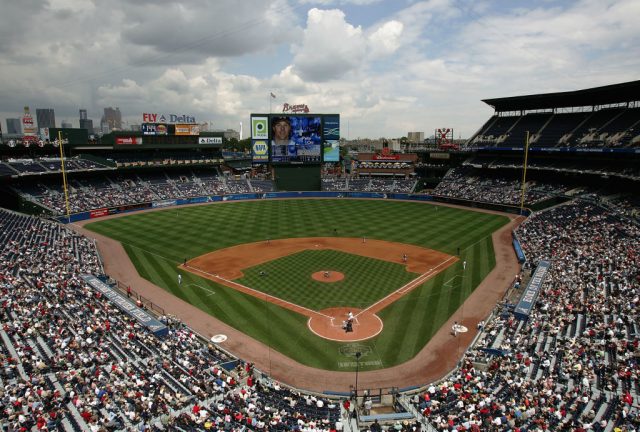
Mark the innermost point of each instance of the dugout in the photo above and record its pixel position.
(297, 177)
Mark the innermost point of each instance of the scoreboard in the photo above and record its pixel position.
(295, 138)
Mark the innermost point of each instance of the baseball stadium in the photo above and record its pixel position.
(155, 280)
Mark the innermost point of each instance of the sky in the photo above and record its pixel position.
(388, 67)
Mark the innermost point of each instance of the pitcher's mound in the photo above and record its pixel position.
(327, 276)
(329, 324)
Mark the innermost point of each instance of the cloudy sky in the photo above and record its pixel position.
(387, 66)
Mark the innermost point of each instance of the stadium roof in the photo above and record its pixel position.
(611, 94)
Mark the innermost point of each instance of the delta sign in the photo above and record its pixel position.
(169, 118)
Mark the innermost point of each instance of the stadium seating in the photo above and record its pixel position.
(109, 189)
(70, 360)
(574, 363)
(604, 128)
(466, 183)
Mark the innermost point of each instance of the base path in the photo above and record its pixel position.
(435, 360)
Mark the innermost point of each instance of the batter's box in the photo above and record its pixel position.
(337, 322)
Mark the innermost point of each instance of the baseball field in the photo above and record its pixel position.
(286, 272)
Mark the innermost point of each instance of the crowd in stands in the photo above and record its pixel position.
(374, 184)
(462, 183)
(574, 364)
(116, 190)
(17, 167)
(70, 360)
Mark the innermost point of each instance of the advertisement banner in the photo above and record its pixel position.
(164, 203)
(210, 140)
(129, 140)
(98, 213)
(259, 128)
(169, 118)
(332, 151)
(331, 128)
(260, 151)
(386, 158)
(28, 127)
(187, 129)
(439, 155)
(154, 129)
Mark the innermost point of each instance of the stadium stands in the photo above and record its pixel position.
(120, 188)
(467, 183)
(72, 361)
(601, 117)
(573, 365)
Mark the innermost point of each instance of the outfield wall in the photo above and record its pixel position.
(106, 211)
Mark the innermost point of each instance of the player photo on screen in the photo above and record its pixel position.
(296, 139)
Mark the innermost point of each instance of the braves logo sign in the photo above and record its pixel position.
(299, 108)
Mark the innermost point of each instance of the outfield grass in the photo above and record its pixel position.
(158, 241)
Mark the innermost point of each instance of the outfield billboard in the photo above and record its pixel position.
(260, 151)
(295, 138)
(154, 129)
(187, 129)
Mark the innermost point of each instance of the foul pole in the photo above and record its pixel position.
(524, 170)
(64, 176)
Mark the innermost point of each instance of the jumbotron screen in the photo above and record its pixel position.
(294, 138)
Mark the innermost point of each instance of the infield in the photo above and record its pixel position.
(379, 273)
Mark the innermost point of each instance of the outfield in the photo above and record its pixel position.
(157, 242)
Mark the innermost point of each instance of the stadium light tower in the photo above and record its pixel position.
(358, 354)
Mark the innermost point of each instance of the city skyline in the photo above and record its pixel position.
(387, 67)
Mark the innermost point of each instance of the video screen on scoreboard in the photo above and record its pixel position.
(331, 136)
(295, 139)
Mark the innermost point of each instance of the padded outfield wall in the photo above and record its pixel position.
(297, 177)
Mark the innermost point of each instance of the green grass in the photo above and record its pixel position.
(156, 242)
(367, 280)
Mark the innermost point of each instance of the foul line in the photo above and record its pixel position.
(261, 295)
(409, 286)
(211, 292)
(448, 284)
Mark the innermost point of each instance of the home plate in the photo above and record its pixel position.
(219, 338)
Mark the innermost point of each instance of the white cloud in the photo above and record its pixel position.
(386, 39)
(416, 65)
(330, 48)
